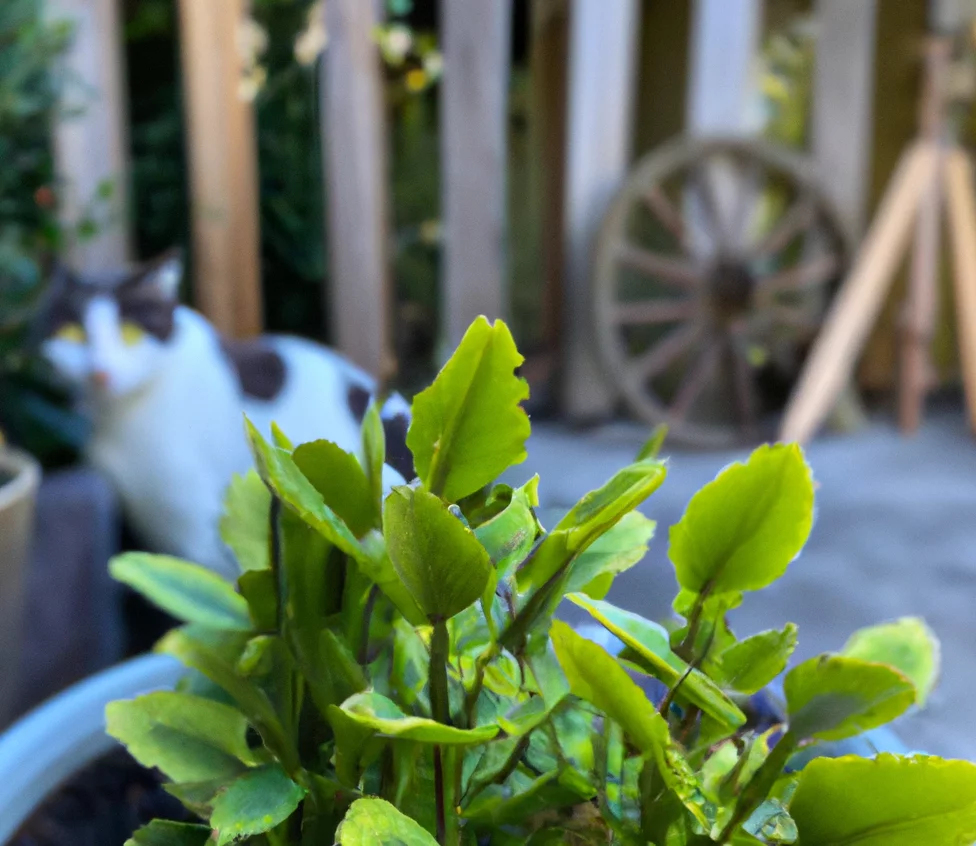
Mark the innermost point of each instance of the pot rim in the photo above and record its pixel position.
(26, 474)
(67, 732)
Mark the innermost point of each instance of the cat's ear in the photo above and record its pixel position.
(163, 275)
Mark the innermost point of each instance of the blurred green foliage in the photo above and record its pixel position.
(34, 406)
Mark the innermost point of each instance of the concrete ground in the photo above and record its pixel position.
(895, 535)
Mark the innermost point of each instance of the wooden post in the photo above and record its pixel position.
(843, 101)
(603, 41)
(355, 167)
(91, 149)
(223, 167)
(549, 60)
(474, 117)
(722, 85)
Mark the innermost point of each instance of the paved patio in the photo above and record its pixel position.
(895, 535)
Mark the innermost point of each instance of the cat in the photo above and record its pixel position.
(167, 396)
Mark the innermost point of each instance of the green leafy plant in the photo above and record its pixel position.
(389, 669)
(34, 407)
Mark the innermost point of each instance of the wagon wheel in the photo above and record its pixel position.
(713, 272)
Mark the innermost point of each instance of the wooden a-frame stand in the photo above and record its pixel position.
(933, 179)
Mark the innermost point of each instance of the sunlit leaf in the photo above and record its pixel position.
(244, 526)
(886, 801)
(741, 530)
(255, 803)
(469, 425)
(375, 822)
(749, 665)
(339, 478)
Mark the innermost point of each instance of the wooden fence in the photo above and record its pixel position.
(585, 89)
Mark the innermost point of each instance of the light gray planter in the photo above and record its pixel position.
(17, 499)
(67, 733)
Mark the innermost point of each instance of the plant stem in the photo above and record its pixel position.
(447, 822)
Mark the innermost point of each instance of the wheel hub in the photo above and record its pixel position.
(731, 286)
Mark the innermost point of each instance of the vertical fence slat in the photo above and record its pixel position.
(91, 147)
(843, 100)
(724, 44)
(223, 167)
(474, 100)
(603, 41)
(355, 165)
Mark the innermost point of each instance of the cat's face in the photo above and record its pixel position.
(109, 335)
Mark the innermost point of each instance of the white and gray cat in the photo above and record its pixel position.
(167, 395)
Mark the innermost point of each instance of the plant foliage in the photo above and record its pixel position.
(390, 671)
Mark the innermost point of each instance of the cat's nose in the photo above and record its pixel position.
(100, 379)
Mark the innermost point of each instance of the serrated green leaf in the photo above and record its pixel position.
(437, 558)
(749, 665)
(166, 833)
(339, 478)
(511, 534)
(595, 514)
(189, 738)
(244, 525)
(650, 641)
(254, 803)
(469, 426)
(886, 801)
(617, 550)
(280, 473)
(908, 645)
(375, 822)
(597, 678)
(831, 697)
(187, 591)
(741, 531)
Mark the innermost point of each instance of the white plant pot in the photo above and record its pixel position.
(67, 733)
(17, 498)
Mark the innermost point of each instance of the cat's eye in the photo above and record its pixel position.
(132, 333)
(74, 333)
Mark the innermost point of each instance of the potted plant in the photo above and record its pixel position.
(388, 668)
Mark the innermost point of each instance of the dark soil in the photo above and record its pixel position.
(101, 806)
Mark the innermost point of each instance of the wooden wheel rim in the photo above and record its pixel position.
(653, 170)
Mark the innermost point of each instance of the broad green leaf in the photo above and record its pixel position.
(339, 478)
(652, 446)
(650, 641)
(254, 803)
(771, 822)
(377, 566)
(469, 425)
(741, 531)
(374, 453)
(441, 562)
(281, 474)
(187, 591)
(595, 677)
(749, 665)
(886, 801)
(511, 534)
(188, 738)
(280, 439)
(244, 526)
(908, 645)
(524, 797)
(596, 513)
(375, 822)
(166, 833)
(215, 654)
(832, 697)
(617, 550)
(382, 716)
(197, 796)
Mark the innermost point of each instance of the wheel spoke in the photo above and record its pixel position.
(743, 389)
(803, 277)
(669, 269)
(794, 317)
(660, 355)
(800, 214)
(655, 311)
(664, 210)
(703, 185)
(694, 381)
